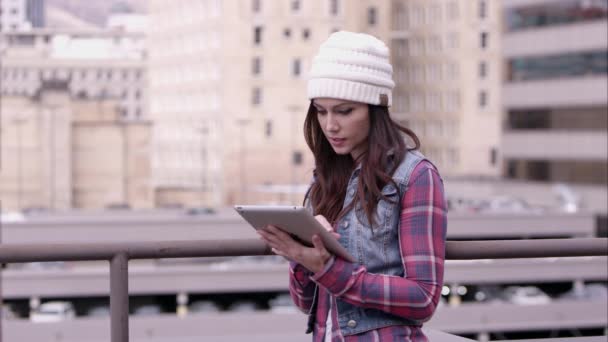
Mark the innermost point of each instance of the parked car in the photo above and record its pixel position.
(54, 311)
(12, 216)
(597, 292)
(200, 211)
(282, 304)
(244, 306)
(204, 306)
(525, 295)
(147, 310)
(99, 311)
(569, 201)
(8, 312)
(488, 294)
(508, 204)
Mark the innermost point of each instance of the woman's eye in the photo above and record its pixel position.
(321, 112)
(345, 111)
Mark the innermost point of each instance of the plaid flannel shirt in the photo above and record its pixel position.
(422, 243)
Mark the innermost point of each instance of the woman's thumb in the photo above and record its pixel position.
(318, 243)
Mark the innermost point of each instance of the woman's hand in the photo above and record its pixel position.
(313, 258)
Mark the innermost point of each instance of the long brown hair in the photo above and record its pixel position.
(332, 171)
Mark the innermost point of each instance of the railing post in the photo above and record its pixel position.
(119, 297)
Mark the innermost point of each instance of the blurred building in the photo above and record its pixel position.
(60, 152)
(556, 91)
(447, 68)
(21, 15)
(95, 64)
(228, 96)
(74, 108)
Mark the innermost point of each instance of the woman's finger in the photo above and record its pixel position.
(278, 232)
(318, 244)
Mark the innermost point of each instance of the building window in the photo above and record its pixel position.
(256, 98)
(268, 128)
(558, 66)
(493, 156)
(483, 9)
(296, 67)
(295, 5)
(287, 33)
(452, 40)
(371, 16)
(297, 158)
(483, 99)
(483, 40)
(551, 13)
(453, 10)
(511, 171)
(256, 6)
(483, 69)
(305, 34)
(334, 7)
(257, 35)
(256, 66)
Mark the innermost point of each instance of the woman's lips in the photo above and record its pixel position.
(337, 142)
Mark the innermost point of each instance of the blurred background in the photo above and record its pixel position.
(147, 120)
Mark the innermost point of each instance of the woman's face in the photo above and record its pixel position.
(345, 124)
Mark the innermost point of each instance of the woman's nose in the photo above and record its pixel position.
(331, 124)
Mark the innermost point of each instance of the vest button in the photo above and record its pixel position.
(352, 323)
(345, 224)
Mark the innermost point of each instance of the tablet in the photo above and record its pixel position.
(296, 221)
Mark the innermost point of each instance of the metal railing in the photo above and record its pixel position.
(119, 254)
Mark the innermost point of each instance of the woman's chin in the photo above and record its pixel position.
(341, 151)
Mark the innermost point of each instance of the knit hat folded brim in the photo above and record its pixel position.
(349, 90)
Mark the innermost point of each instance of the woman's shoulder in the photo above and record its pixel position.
(425, 168)
(415, 162)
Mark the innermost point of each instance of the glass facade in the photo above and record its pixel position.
(555, 13)
(558, 66)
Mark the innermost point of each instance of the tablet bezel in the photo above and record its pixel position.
(295, 220)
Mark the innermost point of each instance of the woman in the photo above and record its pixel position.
(383, 200)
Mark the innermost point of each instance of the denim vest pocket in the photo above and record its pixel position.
(384, 225)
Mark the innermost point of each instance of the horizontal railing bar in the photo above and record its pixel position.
(533, 248)
(455, 250)
(134, 250)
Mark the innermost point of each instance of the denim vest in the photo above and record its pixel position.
(378, 248)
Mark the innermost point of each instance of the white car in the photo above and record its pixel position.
(204, 306)
(526, 295)
(8, 312)
(13, 216)
(53, 312)
(283, 304)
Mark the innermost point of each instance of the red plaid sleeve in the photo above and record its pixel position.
(301, 288)
(422, 241)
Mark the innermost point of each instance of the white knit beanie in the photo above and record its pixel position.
(352, 66)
